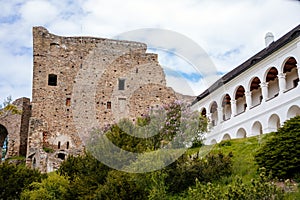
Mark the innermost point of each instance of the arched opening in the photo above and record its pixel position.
(203, 112)
(213, 141)
(240, 100)
(272, 80)
(274, 122)
(61, 156)
(226, 107)
(241, 133)
(226, 137)
(3, 142)
(257, 128)
(214, 113)
(293, 111)
(256, 93)
(291, 73)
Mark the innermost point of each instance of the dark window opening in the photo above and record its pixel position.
(52, 80)
(58, 145)
(121, 84)
(295, 82)
(61, 156)
(108, 105)
(68, 101)
(67, 145)
(136, 70)
(34, 163)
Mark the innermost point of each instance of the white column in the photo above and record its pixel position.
(209, 121)
(233, 107)
(298, 70)
(220, 115)
(282, 82)
(264, 90)
(248, 99)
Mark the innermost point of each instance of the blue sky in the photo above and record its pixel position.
(229, 31)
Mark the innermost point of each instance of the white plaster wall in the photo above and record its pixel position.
(256, 119)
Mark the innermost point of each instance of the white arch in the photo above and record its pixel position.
(256, 128)
(226, 137)
(213, 141)
(285, 60)
(293, 111)
(274, 122)
(241, 133)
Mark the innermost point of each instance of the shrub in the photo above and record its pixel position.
(14, 178)
(280, 154)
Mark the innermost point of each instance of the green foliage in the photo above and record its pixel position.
(85, 174)
(280, 153)
(121, 185)
(259, 188)
(13, 179)
(184, 172)
(48, 150)
(53, 187)
(8, 108)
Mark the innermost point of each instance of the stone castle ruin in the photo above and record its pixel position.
(80, 83)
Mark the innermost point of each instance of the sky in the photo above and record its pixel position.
(228, 31)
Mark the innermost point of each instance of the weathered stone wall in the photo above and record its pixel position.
(15, 128)
(93, 82)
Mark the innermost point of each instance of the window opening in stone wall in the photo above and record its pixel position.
(61, 156)
(4, 149)
(58, 145)
(34, 163)
(136, 70)
(67, 145)
(108, 105)
(68, 102)
(52, 80)
(121, 84)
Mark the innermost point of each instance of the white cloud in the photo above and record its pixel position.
(229, 31)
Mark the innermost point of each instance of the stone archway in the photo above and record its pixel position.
(3, 142)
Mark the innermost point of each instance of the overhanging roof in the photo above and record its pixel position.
(274, 46)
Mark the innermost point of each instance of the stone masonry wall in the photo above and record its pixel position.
(80, 83)
(15, 128)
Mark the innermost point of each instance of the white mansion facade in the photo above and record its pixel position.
(258, 96)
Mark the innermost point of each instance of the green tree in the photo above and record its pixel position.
(13, 179)
(85, 174)
(280, 153)
(53, 187)
(8, 108)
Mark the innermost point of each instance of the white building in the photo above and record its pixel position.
(257, 96)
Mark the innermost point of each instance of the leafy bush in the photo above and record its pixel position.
(53, 187)
(14, 178)
(184, 172)
(280, 154)
(259, 188)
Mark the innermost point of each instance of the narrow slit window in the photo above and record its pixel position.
(108, 105)
(68, 102)
(52, 80)
(121, 84)
(58, 145)
(68, 145)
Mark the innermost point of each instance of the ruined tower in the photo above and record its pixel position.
(80, 83)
